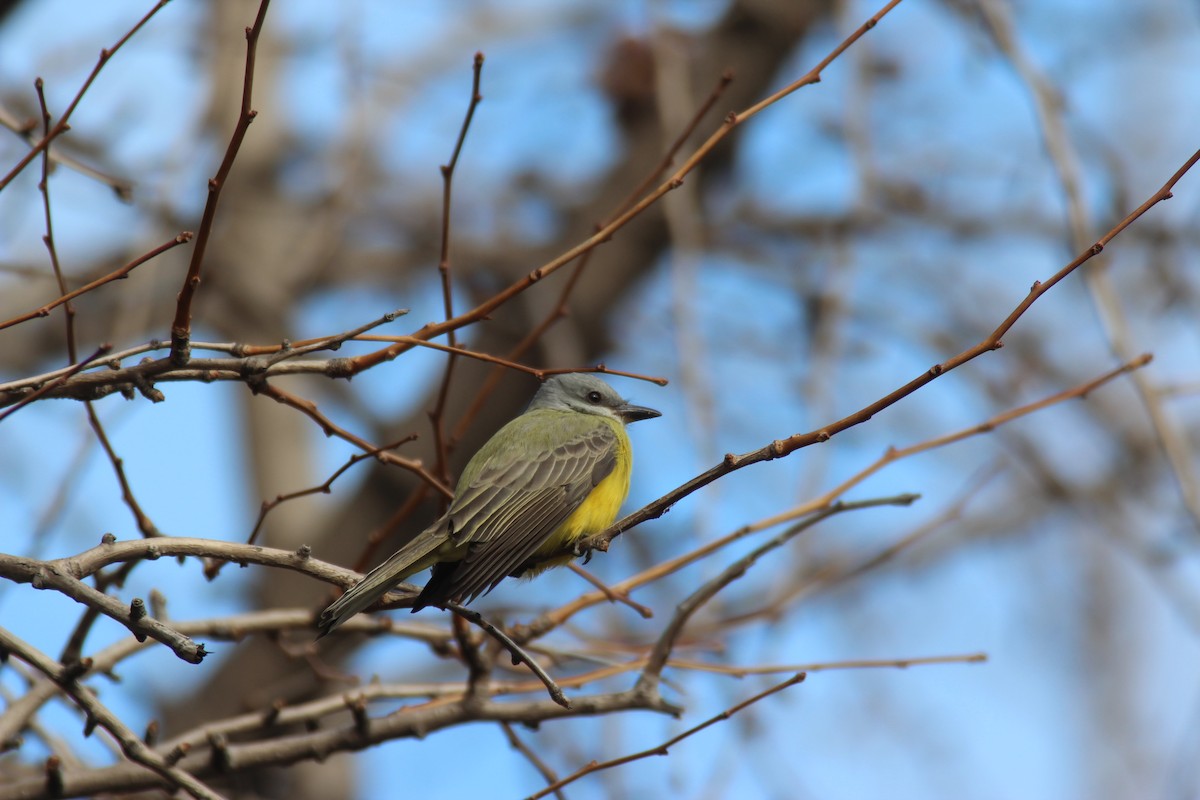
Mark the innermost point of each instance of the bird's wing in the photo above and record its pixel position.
(516, 500)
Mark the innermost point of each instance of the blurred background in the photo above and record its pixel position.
(830, 250)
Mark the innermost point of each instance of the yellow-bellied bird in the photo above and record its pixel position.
(554, 475)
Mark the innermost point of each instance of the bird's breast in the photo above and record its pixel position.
(599, 509)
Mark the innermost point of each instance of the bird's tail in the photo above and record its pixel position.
(408, 560)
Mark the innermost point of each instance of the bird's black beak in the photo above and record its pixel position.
(631, 413)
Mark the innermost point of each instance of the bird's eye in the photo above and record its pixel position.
(593, 397)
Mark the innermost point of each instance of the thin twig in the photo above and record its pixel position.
(697, 599)
(784, 447)
(827, 666)
(50, 386)
(508, 363)
(309, 408)
(181, 328)
(61, 126)
(533, 758)
(606, 232)
(144, 524)
(48, 239)
(613, 595)
(519, 655)
(122, 187)
(479, 666)
(662, 749)
(438, 414)
(324, 488)
(131, 744)
(115, 275)
(214, 566)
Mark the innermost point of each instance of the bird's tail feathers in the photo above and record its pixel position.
(408, 560)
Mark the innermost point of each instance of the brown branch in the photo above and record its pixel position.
(447, 171)
(826, 666)
(122, 187)
(668, 158)
(784, 447)
(61, 126)
(662, 749)
(540, 374)
(117, 274)
(309, 409)
(459, 350)
(141, 518)
(324, 488)
(519, 655)
(251, 365)
(56, 575)
(683, 612)
(181, 328)
(73, 649)
(894, 454)
(324, 742)
(559, 310)
(837, 572)
(605, 232)
(437, 416)
(613, 595)
(88, 562)
(56, 382)
(214, 567)
(141, 377)
(48, 238)
(533, 758)
(131, 744)
(479, 665)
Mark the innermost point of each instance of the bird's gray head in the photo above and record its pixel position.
(584, 392)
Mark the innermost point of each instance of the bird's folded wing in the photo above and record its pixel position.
(513, 506)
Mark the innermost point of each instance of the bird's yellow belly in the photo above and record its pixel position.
(594, 514)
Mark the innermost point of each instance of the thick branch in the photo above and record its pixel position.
(57, 576)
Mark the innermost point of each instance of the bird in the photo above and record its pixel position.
(550, 477)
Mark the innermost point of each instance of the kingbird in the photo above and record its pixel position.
(557, 473)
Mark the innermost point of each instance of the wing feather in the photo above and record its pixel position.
(517, 497)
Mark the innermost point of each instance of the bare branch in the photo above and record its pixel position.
(684, 611)
(181, 328)
(132, 746)
(481, 311)
(51, 385)
(61, 126)
(662, 749)
(54, 575)
(784, 447)
(115, 275)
